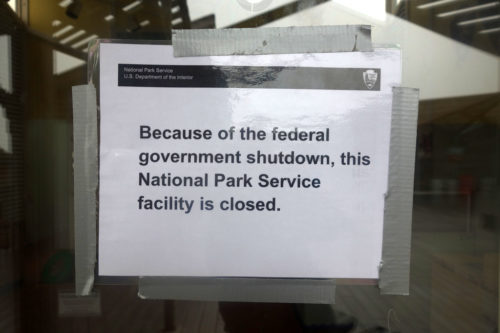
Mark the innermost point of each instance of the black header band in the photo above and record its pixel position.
(133, 75)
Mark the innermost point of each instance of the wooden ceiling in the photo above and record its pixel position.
(72, 23)
(472, 22)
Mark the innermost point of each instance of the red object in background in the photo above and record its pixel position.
(4, 235)
(467, 184)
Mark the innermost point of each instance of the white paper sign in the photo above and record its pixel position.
(255, 166)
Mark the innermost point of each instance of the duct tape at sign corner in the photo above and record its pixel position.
(318, 39)
(319, 291)
(394, 276)
(85, 185)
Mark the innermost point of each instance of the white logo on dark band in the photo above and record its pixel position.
(370, 77)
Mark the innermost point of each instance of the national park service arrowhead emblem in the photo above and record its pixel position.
(370, 77)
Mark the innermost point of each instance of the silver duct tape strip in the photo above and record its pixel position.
(93, 61)
(320, 291)
(85, 186)
(394, 278)
(320, 39)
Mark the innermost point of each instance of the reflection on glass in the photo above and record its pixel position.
(450, 51)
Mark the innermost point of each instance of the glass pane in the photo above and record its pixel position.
(450, 52)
